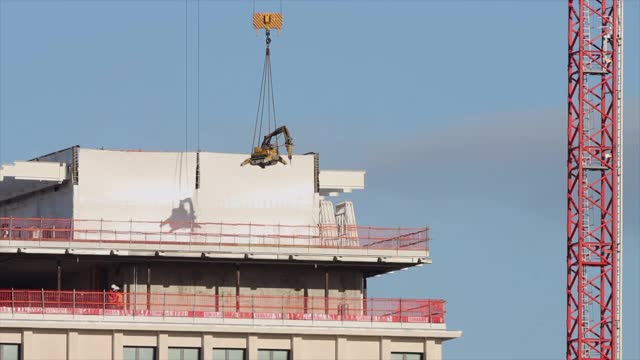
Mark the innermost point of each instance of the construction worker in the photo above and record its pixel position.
(115, 297)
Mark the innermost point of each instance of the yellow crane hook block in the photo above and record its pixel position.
(267, 21)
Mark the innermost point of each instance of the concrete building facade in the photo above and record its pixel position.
(211, 261)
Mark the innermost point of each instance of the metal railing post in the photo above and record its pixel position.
(193, 312)
(71, 233)
(164, 303)
(74, 301)
(104, 301)
(42, 293)
(13, 301)
(400, 310)
(40, 233)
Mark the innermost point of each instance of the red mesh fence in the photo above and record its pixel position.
(213, 234)
(222, 306)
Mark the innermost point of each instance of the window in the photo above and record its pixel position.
(139, 353)
(9, 351)
(184, 354)
(406, 356)
(273, 354)
(228, 354)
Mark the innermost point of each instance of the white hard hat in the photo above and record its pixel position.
(115, 287)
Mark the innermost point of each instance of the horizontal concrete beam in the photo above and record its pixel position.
(333, 182)
(300, 327)
(35, 171)
(404, 257)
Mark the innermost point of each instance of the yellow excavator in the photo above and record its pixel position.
(267, 153)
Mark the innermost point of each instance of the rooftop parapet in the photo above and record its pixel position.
(208, 238)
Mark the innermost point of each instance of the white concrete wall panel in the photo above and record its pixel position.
(278, 342)
(140, 338)
(415, 345)
(125, 185)
(159, 187)
(317, 348)
(362, 348)
(277, 194)
(47, 345)
(10, 336)
(92, 346)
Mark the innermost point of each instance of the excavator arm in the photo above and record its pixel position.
(288, 140)
(267, 153)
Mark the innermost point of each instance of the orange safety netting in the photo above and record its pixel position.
(221, 306)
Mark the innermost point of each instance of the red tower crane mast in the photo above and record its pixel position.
(594, 219)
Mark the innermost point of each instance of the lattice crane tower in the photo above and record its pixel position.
(594, 219)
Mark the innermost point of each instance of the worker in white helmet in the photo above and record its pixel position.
(115, 297)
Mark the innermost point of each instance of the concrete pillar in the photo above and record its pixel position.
(326, 290)
(117, 345)
(72, 345)
(149, 286)
(27, 344)
(163, 346)
(296, 347)
(365, 306)
(217, 298)
(433, 349)
(385, 349)
(341, 348)
(237, 287)
(207, 347)
(252, 347)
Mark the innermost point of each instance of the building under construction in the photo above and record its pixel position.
(172, 255)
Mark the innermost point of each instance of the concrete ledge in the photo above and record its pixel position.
(264, 253)
(303, 327)
(35, 170)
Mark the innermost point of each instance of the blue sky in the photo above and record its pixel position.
(456, 109)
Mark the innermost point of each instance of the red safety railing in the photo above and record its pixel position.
(165, 234)
(221, 306)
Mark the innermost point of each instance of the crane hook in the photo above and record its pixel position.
(268, 40)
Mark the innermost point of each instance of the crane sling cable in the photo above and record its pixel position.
(267, 153)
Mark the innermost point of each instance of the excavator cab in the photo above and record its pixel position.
(267, 153)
